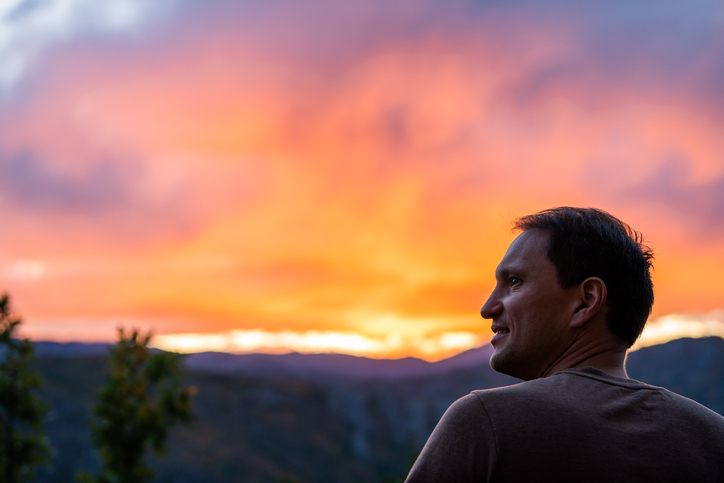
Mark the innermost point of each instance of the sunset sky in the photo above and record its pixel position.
(339, 175)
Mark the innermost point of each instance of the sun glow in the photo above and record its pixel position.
(437, 347)
(386, 336)
(315, 341)
(676, 326)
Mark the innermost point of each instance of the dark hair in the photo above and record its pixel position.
(586, 242)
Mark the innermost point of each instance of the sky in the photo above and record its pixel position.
(343, 176)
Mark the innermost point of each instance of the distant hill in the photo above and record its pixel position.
(308, 367)
(317, 418)
(323, 367)
(69, 349)
(691, 367)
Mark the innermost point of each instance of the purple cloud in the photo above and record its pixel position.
(109, 195)
(670, 186)
(27, 183)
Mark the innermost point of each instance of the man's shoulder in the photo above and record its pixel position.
(547, 386)
(586, 379)
(576, 388)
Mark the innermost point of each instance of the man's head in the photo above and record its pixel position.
(568, 266)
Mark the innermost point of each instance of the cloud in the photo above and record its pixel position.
(315, 341)
(29, 27)
(346, 157)
(111, 197)
(696, 203)
(26, 269)
(28, 183)
(675, 326)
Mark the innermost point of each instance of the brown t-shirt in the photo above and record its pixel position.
(578, 425)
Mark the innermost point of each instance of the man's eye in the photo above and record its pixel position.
(515, 281)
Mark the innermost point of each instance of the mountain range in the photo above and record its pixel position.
(315, 417)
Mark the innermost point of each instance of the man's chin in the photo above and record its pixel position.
(497, 360)
(501, 362)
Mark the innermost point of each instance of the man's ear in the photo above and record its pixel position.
(592, 297)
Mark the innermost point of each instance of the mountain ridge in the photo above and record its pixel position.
(323, 367)
(306, 366)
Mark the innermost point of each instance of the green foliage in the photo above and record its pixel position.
(22, 443)
(143, 398)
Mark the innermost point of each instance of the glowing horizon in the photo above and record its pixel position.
(391, 346)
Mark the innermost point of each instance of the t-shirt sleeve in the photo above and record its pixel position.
(460, 449)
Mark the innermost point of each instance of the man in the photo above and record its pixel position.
(573, 294)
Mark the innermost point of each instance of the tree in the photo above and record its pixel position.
(22, 443)
(143, 398)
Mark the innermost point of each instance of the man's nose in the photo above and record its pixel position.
(492, 307)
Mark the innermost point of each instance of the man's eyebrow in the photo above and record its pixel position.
(507, 270)
(503, 271)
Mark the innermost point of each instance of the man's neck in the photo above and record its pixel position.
(609, 358)
(612, 364)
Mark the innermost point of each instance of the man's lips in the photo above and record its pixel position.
(500, 332)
